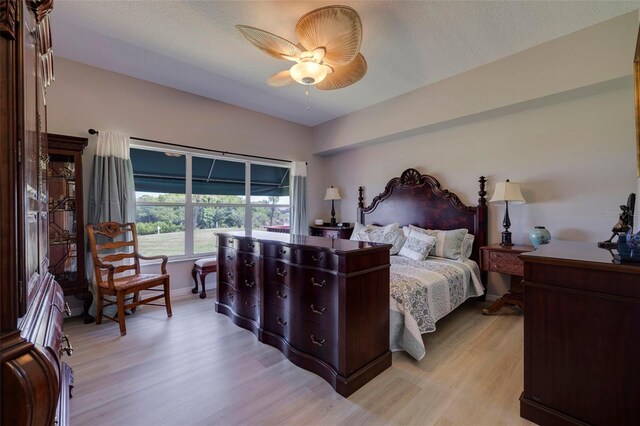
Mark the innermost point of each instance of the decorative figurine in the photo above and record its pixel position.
(624, 224)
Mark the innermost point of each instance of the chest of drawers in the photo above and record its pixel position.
(581, 343)
(323, 303)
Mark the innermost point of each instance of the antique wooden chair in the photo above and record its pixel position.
(117, 242)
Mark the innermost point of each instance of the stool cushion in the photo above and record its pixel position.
(207, 261)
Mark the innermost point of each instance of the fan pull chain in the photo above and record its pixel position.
(306, 92)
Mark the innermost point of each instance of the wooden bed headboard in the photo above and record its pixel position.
(415, 199)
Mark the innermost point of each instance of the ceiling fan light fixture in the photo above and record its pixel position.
(308, 72)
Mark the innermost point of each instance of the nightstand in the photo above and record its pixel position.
(339, 232)
(504, 260)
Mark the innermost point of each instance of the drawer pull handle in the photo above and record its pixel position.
(317, 259)
(282, 251)
(282, 274)
(67, 309)
(316, 310)
(251, 245)
(248, 304)
(280, 295)
(67, 348)
(316, 341)
(318, 284)
(249, 284)
(229, 257)
(230, 240)
(230, 295)
(249, 264)
(229, 275)
(281, 322)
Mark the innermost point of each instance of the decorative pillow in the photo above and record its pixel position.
(390, 234)
(418, 245)
(467, 246)
(449, 243)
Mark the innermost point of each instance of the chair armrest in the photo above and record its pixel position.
(110, 269)
(164, 258)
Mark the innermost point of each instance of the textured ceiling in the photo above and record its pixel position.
(193, 45)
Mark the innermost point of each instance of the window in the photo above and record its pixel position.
(184, 198)
(160, 201)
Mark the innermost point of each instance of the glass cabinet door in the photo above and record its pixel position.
(63, 253)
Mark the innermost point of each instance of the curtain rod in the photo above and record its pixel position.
(95, 132)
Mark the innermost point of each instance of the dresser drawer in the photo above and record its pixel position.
(316, 341)
(242, 304)
(317, 284)
(225, 241)
(506, 267)
(279, 321)
(317, 259)
(247, 245)
(277, 251)
(227, 295)
(319, 311)
(278, 271)
(247, 306)
(247, 270)
(507, 257)
(278, 294)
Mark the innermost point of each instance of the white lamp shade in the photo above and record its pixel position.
(507, 191)
(332, 194)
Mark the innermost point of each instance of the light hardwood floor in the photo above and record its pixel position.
(197, 368)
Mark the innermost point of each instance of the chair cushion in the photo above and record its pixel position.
(135, 281)
(207, 261)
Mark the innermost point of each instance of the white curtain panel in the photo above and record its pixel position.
(299, 224)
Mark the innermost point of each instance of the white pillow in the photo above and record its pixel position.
(467, 246)
(390, 234)
(418, 245)
(449, 243)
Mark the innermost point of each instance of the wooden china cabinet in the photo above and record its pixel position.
(34, 381)
(66, 221)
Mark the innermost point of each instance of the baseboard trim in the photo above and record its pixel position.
(187, 290)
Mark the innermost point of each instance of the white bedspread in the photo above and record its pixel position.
(424, 291)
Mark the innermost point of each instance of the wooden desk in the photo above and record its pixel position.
(504, 260)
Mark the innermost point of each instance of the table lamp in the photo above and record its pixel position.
(506, 192)
(332, 194)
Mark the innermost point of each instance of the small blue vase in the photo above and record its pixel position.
(539, 235)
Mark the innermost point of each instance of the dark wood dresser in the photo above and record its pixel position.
(324, 303)
(342, 232)
(581, 337)
(34, 380)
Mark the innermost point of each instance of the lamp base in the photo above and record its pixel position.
(506, 239)
(333, 221)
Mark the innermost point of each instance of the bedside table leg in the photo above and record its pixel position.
(498, 304)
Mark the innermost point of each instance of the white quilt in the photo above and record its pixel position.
(422, 292)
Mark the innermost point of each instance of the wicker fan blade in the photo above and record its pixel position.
(271, 44)
(280, 79)
(344, 75)
(336, 28)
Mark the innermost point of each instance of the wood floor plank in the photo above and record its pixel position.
(197, 368)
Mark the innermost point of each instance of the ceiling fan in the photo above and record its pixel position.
(328, 55)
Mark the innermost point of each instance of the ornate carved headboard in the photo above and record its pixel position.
(415, 199)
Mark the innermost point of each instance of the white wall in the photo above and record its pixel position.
(84, 97)
(570, 142)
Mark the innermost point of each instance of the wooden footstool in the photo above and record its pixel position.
(202, 268)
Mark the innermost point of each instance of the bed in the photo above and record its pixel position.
(423, 292)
